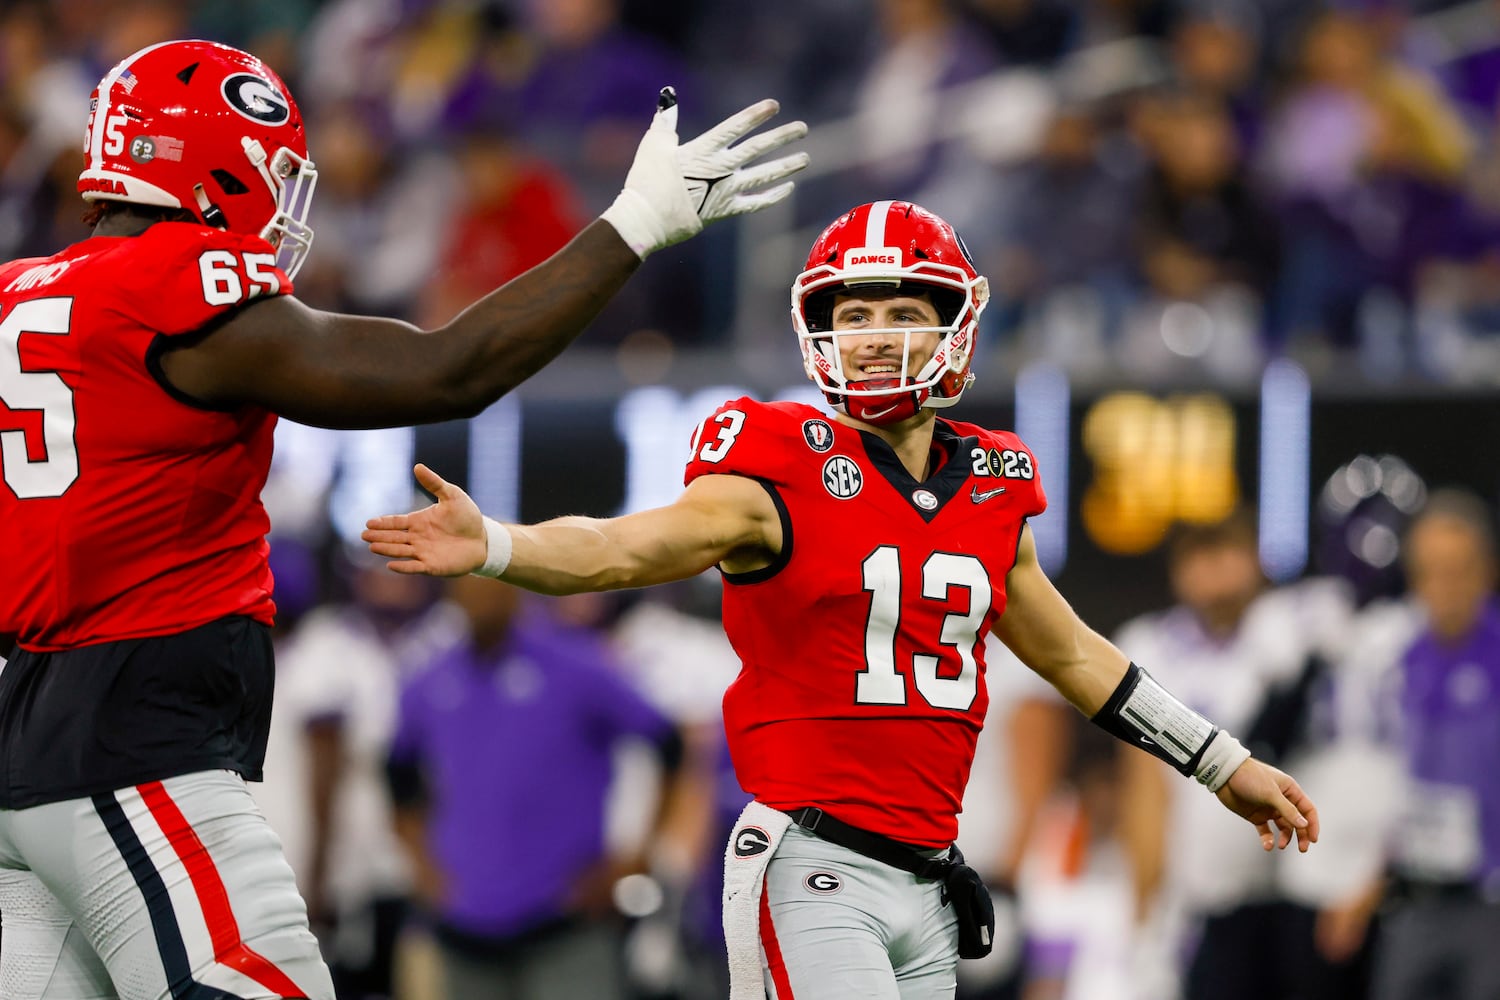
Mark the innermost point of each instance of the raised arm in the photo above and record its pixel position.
(717, 519)
(1046, 633)
(335, 370)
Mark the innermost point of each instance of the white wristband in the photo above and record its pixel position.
(498, 548)
(1221, 758)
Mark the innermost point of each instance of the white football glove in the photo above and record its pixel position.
(673, 190)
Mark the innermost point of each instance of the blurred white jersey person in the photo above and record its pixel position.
(1262, 661)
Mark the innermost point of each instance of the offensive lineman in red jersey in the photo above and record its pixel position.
(141, 374)
(864, 557)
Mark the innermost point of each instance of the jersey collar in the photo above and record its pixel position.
(945, 481)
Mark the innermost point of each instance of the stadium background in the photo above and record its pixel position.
(411, 104)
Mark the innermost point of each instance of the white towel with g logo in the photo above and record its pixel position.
(751, 845)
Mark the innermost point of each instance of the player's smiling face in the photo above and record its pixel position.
(886, 315)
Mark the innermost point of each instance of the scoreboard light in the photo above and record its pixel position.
(1156, 462)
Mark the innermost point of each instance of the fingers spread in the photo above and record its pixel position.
(429, 480)
(385, 537)
(750, 178)
(741, 122)
(743, 204)
(392, 550)
(387, 522)
(759, 145)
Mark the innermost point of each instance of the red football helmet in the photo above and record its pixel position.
(208, 128)
(893, 244)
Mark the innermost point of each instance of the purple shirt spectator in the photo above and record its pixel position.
(1452, 713)
(514, 747)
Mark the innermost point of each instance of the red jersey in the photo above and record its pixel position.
(127, 509)
(862, 687)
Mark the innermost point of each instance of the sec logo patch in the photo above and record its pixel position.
(842, 478)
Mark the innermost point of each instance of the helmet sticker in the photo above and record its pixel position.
(256, 98)
(167, 148)
(963, 248)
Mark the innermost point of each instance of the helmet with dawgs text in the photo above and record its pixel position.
(208, 128)
(893, 245)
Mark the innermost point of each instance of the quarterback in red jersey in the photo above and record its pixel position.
(141, 375)
(865, 555)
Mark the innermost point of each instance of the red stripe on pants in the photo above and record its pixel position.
(773, 947)
(213, 898)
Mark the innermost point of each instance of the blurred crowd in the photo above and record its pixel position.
(1162, 188)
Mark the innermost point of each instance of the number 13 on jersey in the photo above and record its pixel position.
(879, 683)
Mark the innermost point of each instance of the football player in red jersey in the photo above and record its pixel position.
(141, 373)
(864, 556)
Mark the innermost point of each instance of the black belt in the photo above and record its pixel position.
(873, 845)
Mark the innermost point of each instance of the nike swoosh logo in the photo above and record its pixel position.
(979, 497)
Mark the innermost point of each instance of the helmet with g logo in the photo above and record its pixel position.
(208, 128)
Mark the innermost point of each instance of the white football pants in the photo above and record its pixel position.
(169, 890)
(836, 925)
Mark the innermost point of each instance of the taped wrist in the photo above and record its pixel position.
(637, 222)
(497, 549)
(1144, 714)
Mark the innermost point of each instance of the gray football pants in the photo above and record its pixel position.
(169, 890)
(837, 925)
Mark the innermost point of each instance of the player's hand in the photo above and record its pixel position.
(1274, 802)
(446, 539)
(673, 190)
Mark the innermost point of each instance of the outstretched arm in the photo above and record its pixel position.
(717, 519)
(1046, 633)
(334, 370)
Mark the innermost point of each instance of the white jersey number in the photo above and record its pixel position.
(37, 390)
(221, 279)
(730, 423)
(880, 683)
